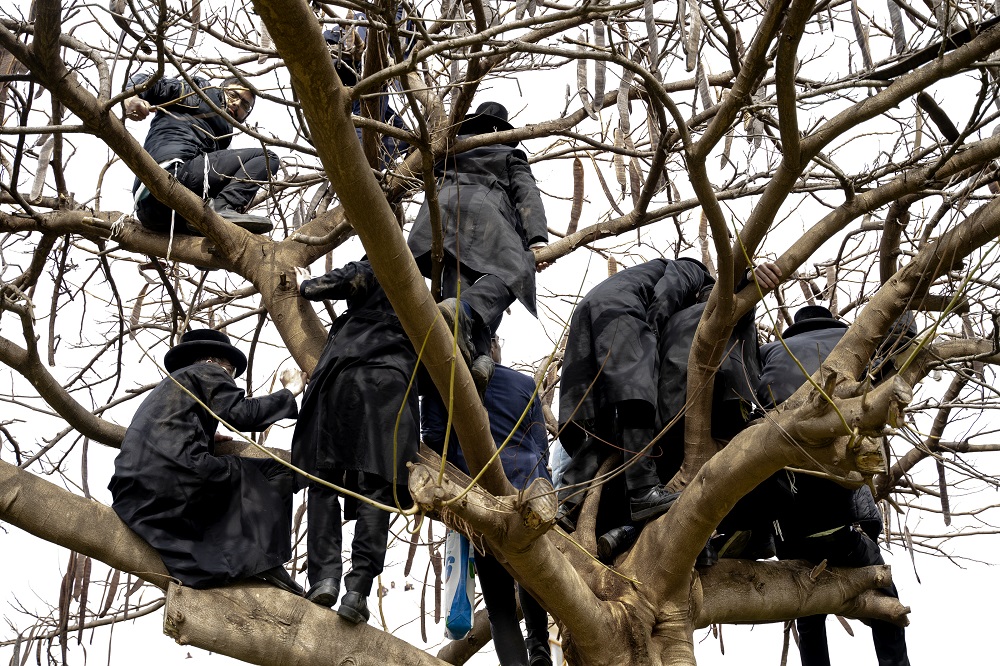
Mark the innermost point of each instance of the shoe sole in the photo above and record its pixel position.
(325, 599)
(651, 512)
(604, 550)
(351, 615)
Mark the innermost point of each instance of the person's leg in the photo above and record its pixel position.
(854, 549)
(371, 537)
(484, 297)
(536, 629)
(324, 541)
(498, 592)
(234, 176)
(581, 470)
(813, 648)
(633, 431)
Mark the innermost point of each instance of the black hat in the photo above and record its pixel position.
(204, 343)
(489, 117)
(811, 318)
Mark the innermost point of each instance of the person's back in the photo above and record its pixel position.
(214, 519)
(817, 521)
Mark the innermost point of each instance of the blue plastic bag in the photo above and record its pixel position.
(459, 585)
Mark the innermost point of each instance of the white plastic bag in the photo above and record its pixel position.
(459, 585)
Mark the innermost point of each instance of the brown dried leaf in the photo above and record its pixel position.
(898, 32)
(612, 266)
(110, 593)
(577, 209)
(43, 169)
(727, 149)
(195, 20)
(619, 159)
(412, 553)
(436, 565)
(653, 52)
(607, 190)
(703, 90)
(136, 309)
(861, 33)
(600, 66)
(846, 626)
(423, 604)
(693, 39)
(83, 599)
(265, 42)
(943, 488)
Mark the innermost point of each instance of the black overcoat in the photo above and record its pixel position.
(214, 519)
(816, 504)
(355, 394)
(612, 337)
(781, 376)
(489, 196)
(735, 381)
(185, 126)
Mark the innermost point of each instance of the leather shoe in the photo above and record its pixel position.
(564, 517)
(651, 502)
(540, 660)
(354, 608)
(325, 592)
(278, 577)
(616, 541)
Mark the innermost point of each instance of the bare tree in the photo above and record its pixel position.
(826, 138)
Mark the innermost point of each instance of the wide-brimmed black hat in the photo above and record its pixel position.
(811, 318)
(489, 117)
(203, 343)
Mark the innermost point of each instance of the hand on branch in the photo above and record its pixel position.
(768, 275)
(137, 108)
(293, 379)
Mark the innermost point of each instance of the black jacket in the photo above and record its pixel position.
(185, 126)
(611, 347)
(816, 504)
(213, 519)
(357, 391)
(781, 376)
(491, 211)
(735, 381)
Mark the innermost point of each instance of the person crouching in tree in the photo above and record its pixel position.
(214, 519)
(191, 141)
(356, 414)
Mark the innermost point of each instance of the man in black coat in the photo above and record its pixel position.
(523, 457)
(214, 519)
(191, 141)
(492, 217)
(359, 428)
(818, 522)
(607, 393)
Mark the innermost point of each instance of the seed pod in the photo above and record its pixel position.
(574, 214)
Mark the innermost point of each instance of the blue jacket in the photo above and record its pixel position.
(508, 393)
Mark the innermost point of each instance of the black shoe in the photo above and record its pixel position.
(354, 608)
(650, 503)
(325, 592)
(615, 542)
(278, 577)
(255, 224)
(732, 545)
(707, 557)
(449, 307)
(564, 517)
(540, 660)
(482, 372)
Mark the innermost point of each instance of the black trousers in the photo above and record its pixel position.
(846, 547)
(371, 535)
(628, 426)
(234, 176)
(487, 295)
(499, 588)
